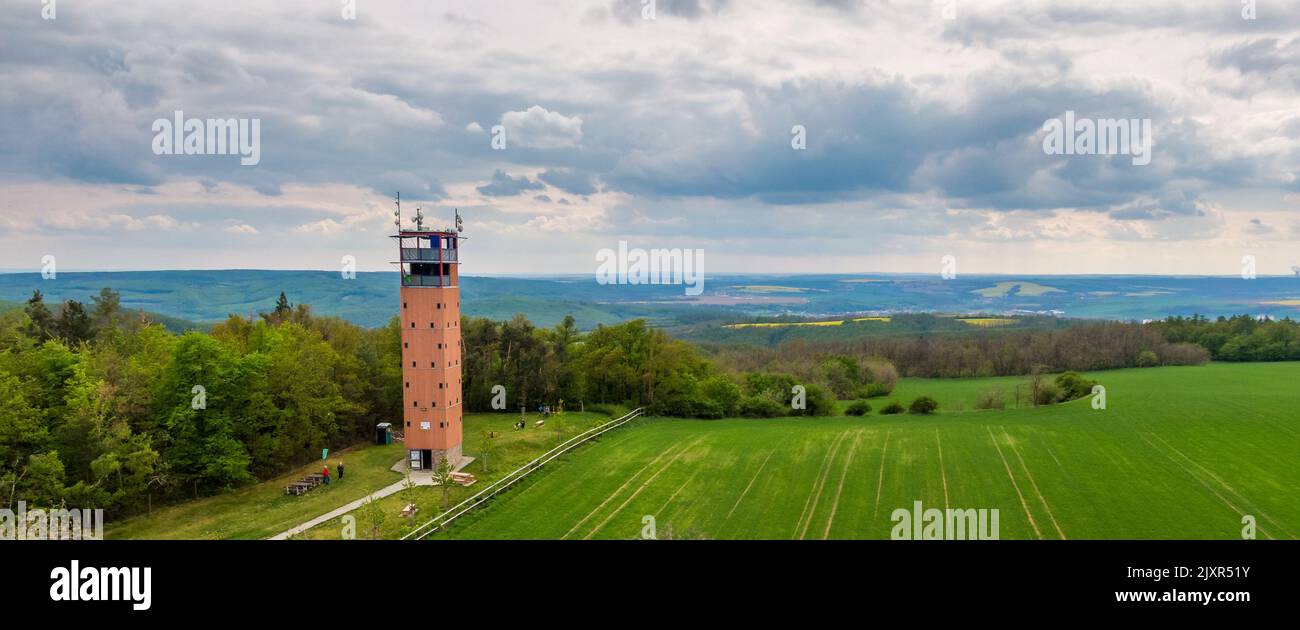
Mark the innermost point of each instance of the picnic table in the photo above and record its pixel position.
(305, 484)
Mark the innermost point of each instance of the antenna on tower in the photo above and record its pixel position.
(397, 214)
(460, 225)
(419, 219)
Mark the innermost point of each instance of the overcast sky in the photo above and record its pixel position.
(924, 133)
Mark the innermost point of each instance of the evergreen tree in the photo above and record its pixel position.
(108, 309)
(73, 324)
(40, 324)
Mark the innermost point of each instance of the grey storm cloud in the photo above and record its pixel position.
(1276, 62)
(569, 180)
(675, 119)
(628, 10)
(505, 185)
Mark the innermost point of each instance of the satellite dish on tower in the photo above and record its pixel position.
(460, 225)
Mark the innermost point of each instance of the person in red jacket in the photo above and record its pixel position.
(326, 472)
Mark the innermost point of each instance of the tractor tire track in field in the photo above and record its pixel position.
(805, 517)
(1225, 485)
(620, 488)
(535, 477)
(1216, 478)
(844, 473)
(1042, 499)
(942, 472)
(880, 480)
(1023, 504)
(644, 485)
(677, 492)
(1201, 481)
(749, 485)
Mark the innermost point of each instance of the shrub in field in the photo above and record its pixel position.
(819, 402)
(1047, 394)
(858, 408)
(1073, 385)
(923, 406)
(892, 408)
(991, 399)
(761, 407)
(1147, 358)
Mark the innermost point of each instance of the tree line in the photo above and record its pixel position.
(1082, 347)
(1238, 338)
(103, 408)
(628, 364)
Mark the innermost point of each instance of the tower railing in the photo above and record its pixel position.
(429, 254)
(442, 520)
(420, 280)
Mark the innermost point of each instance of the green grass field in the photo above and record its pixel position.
(263, 510)
(1180, 452)
(512, 450)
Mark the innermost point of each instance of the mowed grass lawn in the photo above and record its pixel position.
(512, 450)
(263, 510)
(1180, 452)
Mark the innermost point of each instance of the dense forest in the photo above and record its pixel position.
(629, 364)
(1081, 347)
(1240, 338)
(100, 406)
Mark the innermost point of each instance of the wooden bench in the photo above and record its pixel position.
(305, 484)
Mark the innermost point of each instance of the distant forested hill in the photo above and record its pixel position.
(371, 298)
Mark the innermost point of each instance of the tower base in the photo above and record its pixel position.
(427, 459)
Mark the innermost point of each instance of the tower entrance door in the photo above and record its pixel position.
(421, 459)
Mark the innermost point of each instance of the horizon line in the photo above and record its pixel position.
(15, 272)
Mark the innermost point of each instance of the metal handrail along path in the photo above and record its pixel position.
(442, 520)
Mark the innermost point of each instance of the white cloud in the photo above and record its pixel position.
(539, 128)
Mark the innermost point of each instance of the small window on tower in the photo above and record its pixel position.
(406, 345)
(404, 304)
(415, 403)
(430, 324)
(408, 384)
